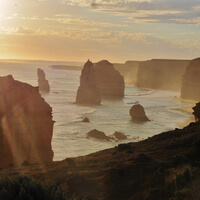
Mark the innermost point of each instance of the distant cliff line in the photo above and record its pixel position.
(160, 74)
(66, 67)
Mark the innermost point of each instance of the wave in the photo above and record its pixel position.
(89, 111)
(136, 102)
(142, 93)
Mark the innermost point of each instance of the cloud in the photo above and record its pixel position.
(189, 44)
(80, 21)
(156, 11)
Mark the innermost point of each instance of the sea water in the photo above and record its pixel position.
(69, 136)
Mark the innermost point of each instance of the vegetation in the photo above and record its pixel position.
(25, 188)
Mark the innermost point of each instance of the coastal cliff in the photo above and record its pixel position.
(26, 126)
(88, 92)
(161, 74)
(108, 80)
(128, 70)
(191, 81)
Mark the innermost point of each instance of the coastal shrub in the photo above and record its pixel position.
(183, 194)
(25, 188)
(25, 163)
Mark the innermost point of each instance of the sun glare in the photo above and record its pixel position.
(5, 5)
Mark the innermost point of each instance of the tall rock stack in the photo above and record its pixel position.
(88, 92)
(191, 81)
(26, 125)
(109, 81)
(42, 82)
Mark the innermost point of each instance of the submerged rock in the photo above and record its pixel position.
(85, 120)
(98, 135)
(88, 92)
(191, 81)
(109, 81)
(119, 136)
(138, 114)
(26, 126)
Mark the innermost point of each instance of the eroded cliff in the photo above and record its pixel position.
(42, 82)
(88, 92)
(191, 81)
(161, 74)
(109, 81)
(128, 71)
(26, 125)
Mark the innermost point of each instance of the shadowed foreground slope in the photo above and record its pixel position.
(156, 168)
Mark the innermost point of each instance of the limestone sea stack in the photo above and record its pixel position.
(26, 125)
(42, 82)
(109, 81)
(191, 81)
(138, 114)
(88, 92)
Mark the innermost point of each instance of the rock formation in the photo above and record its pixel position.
(88, 92)
(109, 81)
(119, 136)
(191, 81)
(128, 70)
(196, 112)
(138, 114)
(26, 124)
(85, 120)
(42, 82)
(98, 135)
(161, 74)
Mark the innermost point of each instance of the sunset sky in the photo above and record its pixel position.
(117, 30)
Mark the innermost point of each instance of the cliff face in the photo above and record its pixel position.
(128, 71)
(88, 92)
(26, 124)
(109, 81)
(191, 81)
(42, 82)
(161, 74)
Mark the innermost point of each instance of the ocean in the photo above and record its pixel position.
(69, 138)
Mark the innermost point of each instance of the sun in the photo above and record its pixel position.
(5, 5)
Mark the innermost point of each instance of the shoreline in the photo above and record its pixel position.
(187, 110)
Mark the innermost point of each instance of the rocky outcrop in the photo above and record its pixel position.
(86, 120)
(128, 70)
(196, 112)
(88, 92)
(42, 82)
(119, 136)
(138, 114)
(116, 136)
(97, 135)
(26, 124)
(191, 81)
(161, 74)
(109, 81)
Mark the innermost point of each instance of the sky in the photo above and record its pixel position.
(116, 30)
